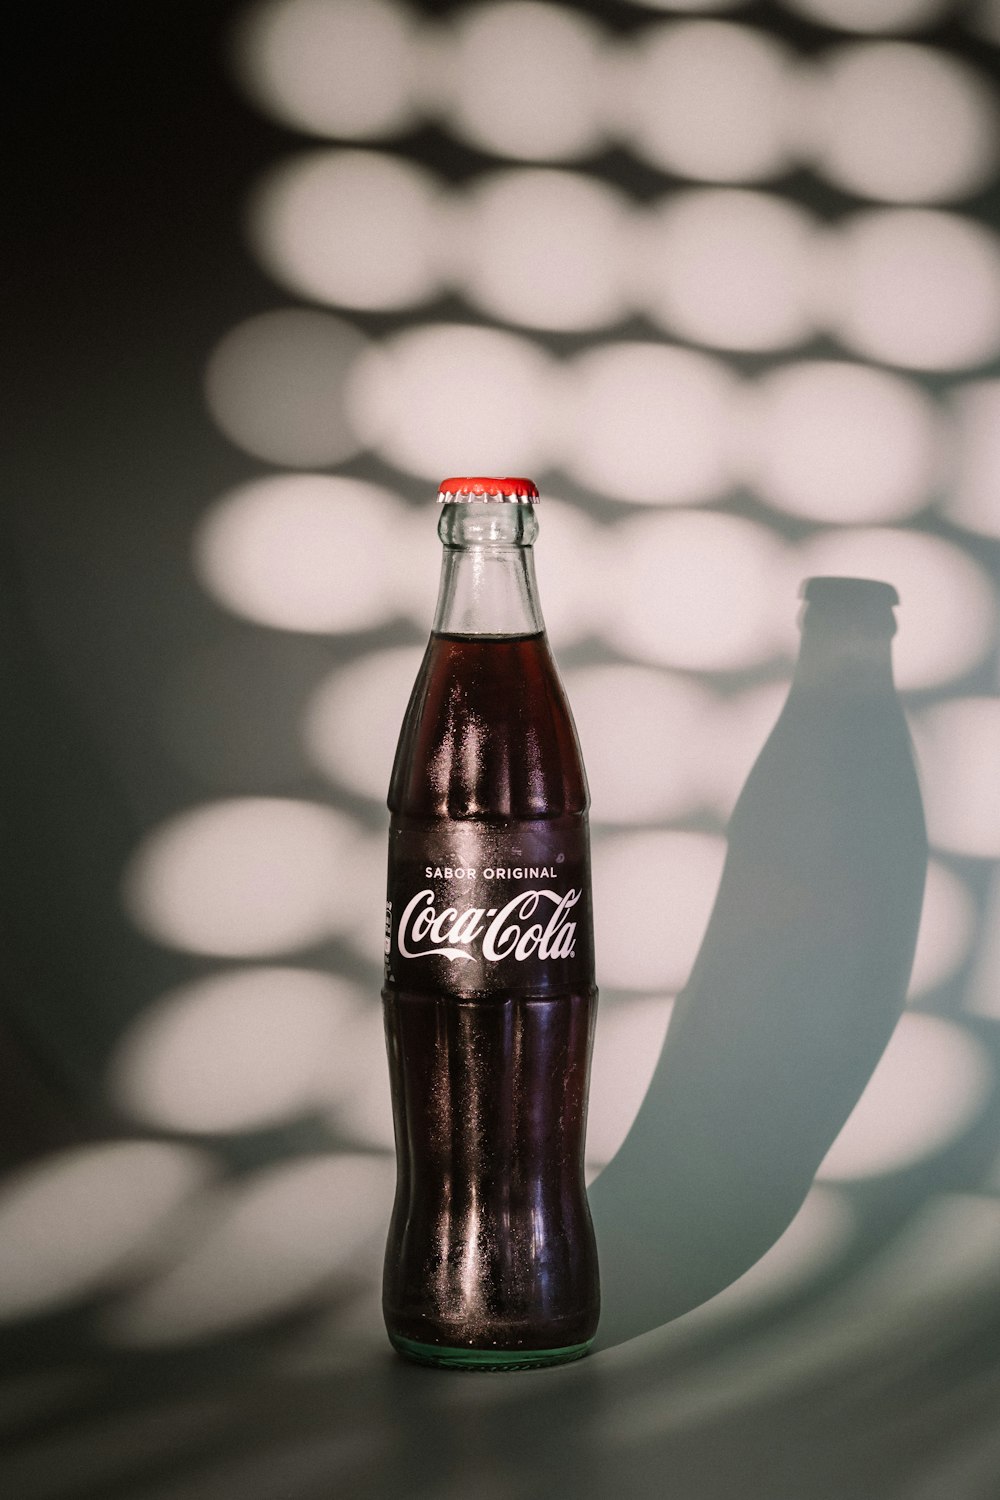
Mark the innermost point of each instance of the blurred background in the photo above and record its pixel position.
(725, 280)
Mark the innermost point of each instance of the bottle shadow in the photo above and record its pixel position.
(798, 985)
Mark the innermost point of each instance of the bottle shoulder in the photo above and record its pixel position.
(488, 734)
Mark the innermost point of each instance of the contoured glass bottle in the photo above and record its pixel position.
(489, 990)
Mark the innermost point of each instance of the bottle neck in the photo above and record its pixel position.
(846, 653)
(488, 570)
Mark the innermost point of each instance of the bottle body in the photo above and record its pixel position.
(489, 1004)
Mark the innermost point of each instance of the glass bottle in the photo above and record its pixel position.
(489, 991)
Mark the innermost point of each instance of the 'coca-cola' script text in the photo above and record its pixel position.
(506, 931)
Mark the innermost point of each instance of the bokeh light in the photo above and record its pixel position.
(933, 1080)
(958, 749)
(364, 932)
(237, 1050)
(870, 15)
(281, 1236)
(571, 567)
(947, 1249)
(414, 559)
(742, 722)
(328, 67)
(675, 876)
(916, 287)
(275, 386)
(352, 721)
(691, 5)
(912, 1287)
(947, 927)
(356, 228)
(729, 268)
(709, 99)
(244, 877)
(544, 248)
(947, 611)
(822, 1230)
(72, 1223)
(699, 591)
(902, 123)
(911, 1284)
(642, 734)
(982, 994)
(525, 80)
(310, 552)
(449, 398)
(361, 1106)
(627, 1042)
(974, 496)
(648, 423)
(832, 441)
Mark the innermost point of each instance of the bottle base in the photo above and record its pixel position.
(444, 1357)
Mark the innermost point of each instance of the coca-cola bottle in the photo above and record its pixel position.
(489, 975)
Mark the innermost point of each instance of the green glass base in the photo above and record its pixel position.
(448, 1358)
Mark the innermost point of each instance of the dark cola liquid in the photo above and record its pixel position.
(489, 1013)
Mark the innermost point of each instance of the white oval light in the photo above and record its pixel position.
(236, 1050)
(627, 1043)
(832, 441)
(354, 228)
(958, 749)
(741, 725)
(454, 399)
(524, 80)
(275, 386)
(902, 123)
(933, 1080)
(352, 722)
(362, 1108)
(729, 268)
(947, 611)
(982, 996)
(330, 67)
(74, 1222)
(310, 552)
(653, 947)
(283, 1235)
(691, 5)
(648, 423)
(710, 100)
(544, 249)
(870, 15)
(947, 926)
(570, 566)
(916, 287)
(974, 498)
(643, 734)
(244, 877)
(703, 592)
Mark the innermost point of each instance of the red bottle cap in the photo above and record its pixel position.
(468, 487)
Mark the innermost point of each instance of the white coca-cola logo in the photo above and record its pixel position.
(506, 932)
